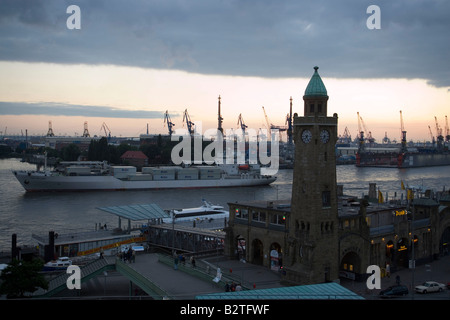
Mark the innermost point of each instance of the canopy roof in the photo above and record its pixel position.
(137, 212)
(322, 291)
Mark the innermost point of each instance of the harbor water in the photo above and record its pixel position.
(24, 213)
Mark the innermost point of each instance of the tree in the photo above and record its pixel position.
(20, 277)
(71, 152)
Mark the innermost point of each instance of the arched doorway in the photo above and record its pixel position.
(258, 252)
(276, 259)
(402, 253)
(240, 248)
(350, 266)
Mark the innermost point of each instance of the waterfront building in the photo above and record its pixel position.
(321, 234)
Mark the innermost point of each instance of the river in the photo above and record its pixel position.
(26, 213)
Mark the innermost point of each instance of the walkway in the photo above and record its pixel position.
(176, 284)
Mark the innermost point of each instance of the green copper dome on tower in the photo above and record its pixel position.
(315, 86)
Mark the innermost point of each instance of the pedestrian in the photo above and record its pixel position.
(238, 287)
(193, 261)
(227, 287)
(388, 270)
(175, 262)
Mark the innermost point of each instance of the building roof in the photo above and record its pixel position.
(137, 212)
(315, 86)
(133, 155)
(321, 291)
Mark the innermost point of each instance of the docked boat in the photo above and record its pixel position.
(89, 176)
(205, 213)
(61, 263)
(410, 159)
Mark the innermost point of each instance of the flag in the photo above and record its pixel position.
(380, 197)
(403, 186)
(410, 195)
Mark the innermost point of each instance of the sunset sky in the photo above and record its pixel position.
(133, 60)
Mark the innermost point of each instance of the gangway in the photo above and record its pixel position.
(88, 271)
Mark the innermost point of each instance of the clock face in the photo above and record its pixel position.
(324, 136)
(306, 136)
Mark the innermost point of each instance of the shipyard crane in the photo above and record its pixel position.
(86, 131)
(104, 127)
(267, 122)
(439, 136)
(433, 141)
(447, 130)
(169, 122)
(346, 137)
(361, 145)
(289, 123)
(189, 123)
(403, 133)
(50, 130)
(369, 137)
(271, 126)
(438, 128)
(386, 139)
(242, 123)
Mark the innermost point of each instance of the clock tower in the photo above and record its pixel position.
(313, 223)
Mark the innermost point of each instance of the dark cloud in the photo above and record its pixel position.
(62, 109)
(237, 37)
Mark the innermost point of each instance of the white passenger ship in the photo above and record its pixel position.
(207, 212)
(88, 175)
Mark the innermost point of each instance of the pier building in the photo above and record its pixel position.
(320, 234)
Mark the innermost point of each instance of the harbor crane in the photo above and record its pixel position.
(267, 122)
(242, 123)
(386, 139)
(433, 141)
(289, 123)
(189, 123)
(439, 136)
(369, 137)
(219, 119)
(346, 137)
(50, 130)
(271, 126)
(104, 127)
(169, 122)
(403, 133)
(86, 131)
(447, 130)
(361, 144)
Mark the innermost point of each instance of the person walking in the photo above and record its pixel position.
(175, 261)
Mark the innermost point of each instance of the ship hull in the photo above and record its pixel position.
(425, 160)
(406, 160)
(34, 182)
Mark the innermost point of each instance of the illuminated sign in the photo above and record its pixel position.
(400, 213)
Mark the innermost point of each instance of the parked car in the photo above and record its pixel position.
(394, 291)
(430, 286)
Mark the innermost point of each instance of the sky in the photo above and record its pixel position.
(131, 61)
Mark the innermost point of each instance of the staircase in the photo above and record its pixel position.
(88, 271)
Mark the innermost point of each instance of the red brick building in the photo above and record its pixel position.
(135, 158)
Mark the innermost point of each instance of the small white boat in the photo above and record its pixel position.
(59, 264)
(207, 212)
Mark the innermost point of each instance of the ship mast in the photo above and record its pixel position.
(219, 119)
